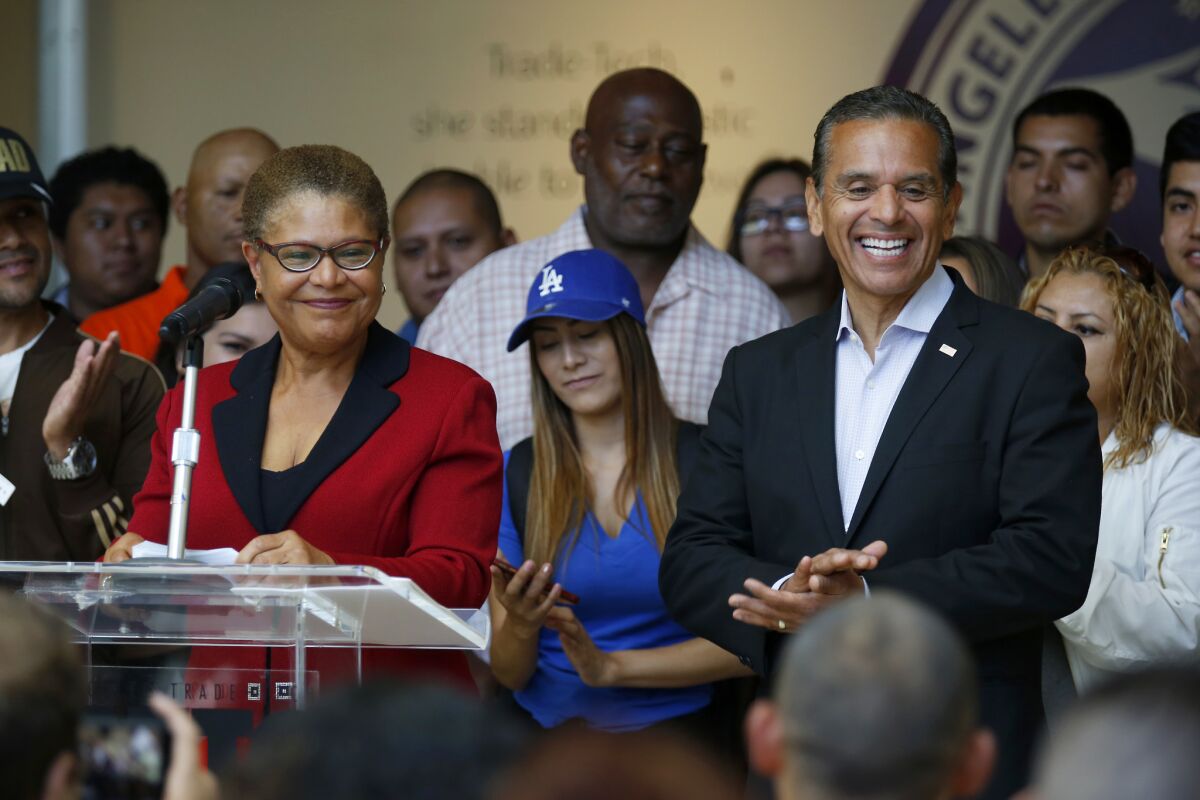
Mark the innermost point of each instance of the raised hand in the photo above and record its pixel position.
(77, 395)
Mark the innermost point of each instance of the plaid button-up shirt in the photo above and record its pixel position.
(706, 304)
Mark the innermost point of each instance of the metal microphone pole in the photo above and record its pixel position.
(185, 450)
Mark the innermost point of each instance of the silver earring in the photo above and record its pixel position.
(257, 295)
(383, 290)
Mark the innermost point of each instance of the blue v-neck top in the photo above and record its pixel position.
(621, 608)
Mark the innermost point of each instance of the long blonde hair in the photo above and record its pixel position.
(559, 491)
(1146, 375)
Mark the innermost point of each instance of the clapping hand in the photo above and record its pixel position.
(818, 581)
(595, 666)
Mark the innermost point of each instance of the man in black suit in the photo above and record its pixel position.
(914, 437)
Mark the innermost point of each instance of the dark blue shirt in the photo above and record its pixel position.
(408, 331)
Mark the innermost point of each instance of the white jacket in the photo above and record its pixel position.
(1143, 605)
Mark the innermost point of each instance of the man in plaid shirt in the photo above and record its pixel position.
(641, 156)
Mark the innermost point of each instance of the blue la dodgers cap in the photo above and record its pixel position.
(20, 175)
(588, 285)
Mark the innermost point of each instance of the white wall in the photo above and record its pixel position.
(411, 85)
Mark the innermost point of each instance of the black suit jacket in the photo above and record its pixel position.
(985, 485)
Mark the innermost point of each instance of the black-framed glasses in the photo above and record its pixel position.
(303, 256)
(792, 218)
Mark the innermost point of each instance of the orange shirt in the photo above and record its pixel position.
(136, 321)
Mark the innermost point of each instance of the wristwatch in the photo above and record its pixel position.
(79, 462)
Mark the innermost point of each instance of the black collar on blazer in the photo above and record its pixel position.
(818, 411)
(240, 422)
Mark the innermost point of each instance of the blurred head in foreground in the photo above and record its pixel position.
(1137, 736)
(577, 763)
(876, 698)
(381, 740)
(41, 701)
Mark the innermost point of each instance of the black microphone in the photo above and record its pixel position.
(219, 300)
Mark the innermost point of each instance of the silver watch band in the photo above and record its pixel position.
(79, 462)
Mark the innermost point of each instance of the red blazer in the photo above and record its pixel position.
(407, 477)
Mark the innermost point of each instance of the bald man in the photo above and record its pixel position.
(641, 154)
(209, 206)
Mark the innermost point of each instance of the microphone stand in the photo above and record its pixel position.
(185, 450)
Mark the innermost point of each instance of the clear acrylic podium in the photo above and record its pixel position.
(178, 606)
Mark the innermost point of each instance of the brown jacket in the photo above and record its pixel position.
(55, 520)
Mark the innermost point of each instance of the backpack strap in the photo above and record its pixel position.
(518, 475)
(519, 472)
(687, 449)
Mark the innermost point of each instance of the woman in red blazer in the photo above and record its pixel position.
(336, 442)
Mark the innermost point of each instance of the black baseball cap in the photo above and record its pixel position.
(20, 175)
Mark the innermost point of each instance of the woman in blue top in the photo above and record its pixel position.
(601, 496)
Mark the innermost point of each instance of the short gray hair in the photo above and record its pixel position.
(878, 699)
(1136, 736)
(883, 103)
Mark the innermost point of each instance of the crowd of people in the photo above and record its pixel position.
(924, 499)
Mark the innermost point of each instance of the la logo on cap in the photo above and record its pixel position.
(13, 156)
(551, 281)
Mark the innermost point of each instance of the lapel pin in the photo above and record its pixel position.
(948, 350)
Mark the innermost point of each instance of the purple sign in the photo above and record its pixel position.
(981, 61)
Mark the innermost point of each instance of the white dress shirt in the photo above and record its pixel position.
(1143, 604)
(706, 304)
(867, 391)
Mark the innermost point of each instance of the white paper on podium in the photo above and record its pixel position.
(220, 557)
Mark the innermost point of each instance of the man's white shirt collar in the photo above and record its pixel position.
(921, 310)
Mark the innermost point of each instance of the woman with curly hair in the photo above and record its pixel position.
(1143, 605)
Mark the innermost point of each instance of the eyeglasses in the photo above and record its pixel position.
(756, 220)
(303, 256)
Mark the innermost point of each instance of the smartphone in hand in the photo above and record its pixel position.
(124, 755)
(509, 570)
